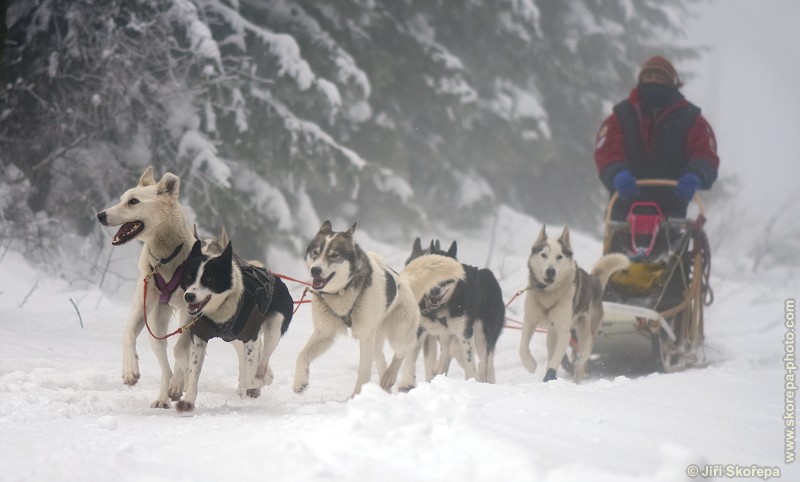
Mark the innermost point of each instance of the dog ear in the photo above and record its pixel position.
(196, 251)
(432, 246)
(227, 255)
(147, 178)
(417, 246)
(564, 242)
(542, 237)
(453, 250)
(564, 239)
(196, 236)
(169, 185)
(223, 237)
(351, 231)
(326, 227)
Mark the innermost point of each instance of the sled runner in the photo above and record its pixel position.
(660, 299)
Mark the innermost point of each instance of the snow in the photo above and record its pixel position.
(200, 37)
(512, 102)
(203, 155)
(452, 81)
(65, 415)
(387, 181)
(524, 12)
(283, 46)
(472, 189)
(265, 198)
(346, 72)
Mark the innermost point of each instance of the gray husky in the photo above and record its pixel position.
(354, 289)
(566, 297)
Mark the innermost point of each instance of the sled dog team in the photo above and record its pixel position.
(436, 304)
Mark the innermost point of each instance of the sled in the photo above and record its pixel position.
(659, 300)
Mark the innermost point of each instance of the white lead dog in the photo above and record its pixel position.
(150, 212)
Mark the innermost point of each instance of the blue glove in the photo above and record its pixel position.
(687, 185)
(625, 184)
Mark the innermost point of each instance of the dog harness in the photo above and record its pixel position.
(347, 318)
(167, 288)
(259, 287)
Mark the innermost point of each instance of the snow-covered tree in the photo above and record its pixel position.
(278, 114)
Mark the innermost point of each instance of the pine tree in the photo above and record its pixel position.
(279, 114)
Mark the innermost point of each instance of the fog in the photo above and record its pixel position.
(746, 85)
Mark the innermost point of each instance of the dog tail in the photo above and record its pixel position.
(430, 270)
(608, 265)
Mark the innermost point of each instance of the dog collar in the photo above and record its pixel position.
(163, 261)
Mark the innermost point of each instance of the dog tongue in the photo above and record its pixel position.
(317, 283)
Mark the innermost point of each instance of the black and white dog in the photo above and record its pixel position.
(465, 315)
(239, 302)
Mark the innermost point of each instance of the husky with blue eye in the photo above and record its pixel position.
(565, 297)
(239, 302)
(355, 290)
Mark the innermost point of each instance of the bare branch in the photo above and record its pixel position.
(80, 318)
(33, 288)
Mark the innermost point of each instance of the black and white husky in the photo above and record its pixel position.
(356, 290)
(565, 297)
(465, 315)
(239, 302)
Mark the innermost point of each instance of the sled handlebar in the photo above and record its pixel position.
(651, 182)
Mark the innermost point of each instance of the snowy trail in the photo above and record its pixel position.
(65, 415)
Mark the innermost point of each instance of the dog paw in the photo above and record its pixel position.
(388, 380)
(550, 375)
(130, 378)
(405, 388)
(253, 392)
(174, 394)
(160, 404)
(176, 386)
(184, 406)
(175, 391)
(529, 363)
(300, 388)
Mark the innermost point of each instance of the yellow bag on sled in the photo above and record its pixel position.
(639, 279)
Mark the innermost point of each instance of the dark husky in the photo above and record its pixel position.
(238, 302)
(464, 315)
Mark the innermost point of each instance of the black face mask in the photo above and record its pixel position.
(654, 96)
